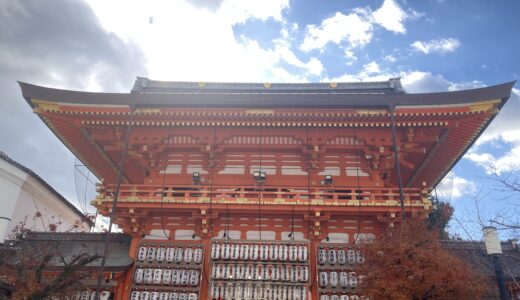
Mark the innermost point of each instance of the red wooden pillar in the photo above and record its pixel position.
(314, 243)
(126, 286)
(134, 246)
(124, 292)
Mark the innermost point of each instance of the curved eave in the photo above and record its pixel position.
(270, 99)
(472, 141)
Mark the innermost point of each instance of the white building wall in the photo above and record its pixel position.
(23, 196)
(11, 181)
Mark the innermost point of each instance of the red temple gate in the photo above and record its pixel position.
(310, 169)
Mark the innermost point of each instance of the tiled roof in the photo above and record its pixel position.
(156, 94)
(475, 254)
(146, 86)
(70, 244)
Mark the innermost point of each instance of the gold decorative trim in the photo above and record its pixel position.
(484, 106)
(259, 112)
(46, 105)
(370, 112)
(148, 111)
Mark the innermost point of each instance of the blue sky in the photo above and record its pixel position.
(101, 45)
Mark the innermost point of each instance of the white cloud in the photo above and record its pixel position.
(390, 58)
(283, 52)
(391, 17)
(188, 43)
(284, 33)
(509, 162)
(453, 187)
(363, 75)
(485, 160)
(475, 84)
(355, 28)
(238, 11)
(418, 82)
(60, 45)
(412, 81)
(314, 66)
(436, 46)
(371, 68)
(424, 82)
(360, 77)
(350, 56)
(512, 135)
(506, 126)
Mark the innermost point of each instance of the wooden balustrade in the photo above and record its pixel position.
(325, 195)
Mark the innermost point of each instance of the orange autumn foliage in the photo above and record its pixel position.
(408, 262)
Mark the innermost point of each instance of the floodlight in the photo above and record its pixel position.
(195, 177)
(259, 176)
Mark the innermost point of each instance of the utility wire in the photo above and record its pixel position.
(211, 171)
(358, 188)
(397, 163)
(261, 185)
(308, 183)
(114, 202)
(165, 162)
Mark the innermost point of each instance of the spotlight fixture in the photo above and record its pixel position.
(195, 178)
(193, 236)
(327, 180)
(259, 176)
(327, 239)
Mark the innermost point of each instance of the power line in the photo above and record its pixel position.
(165, 162)
(114, 202)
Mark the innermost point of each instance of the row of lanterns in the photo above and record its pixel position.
(249, 291)
(287, 273)
(335, 279)
(145, 295)
(161, 266)
(167, 276)
(335, 275)
(263, 252)
(89, 295)
(332, 256)
(167, 254)
(340, 297)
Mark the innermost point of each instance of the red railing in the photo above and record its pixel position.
(266, 194)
